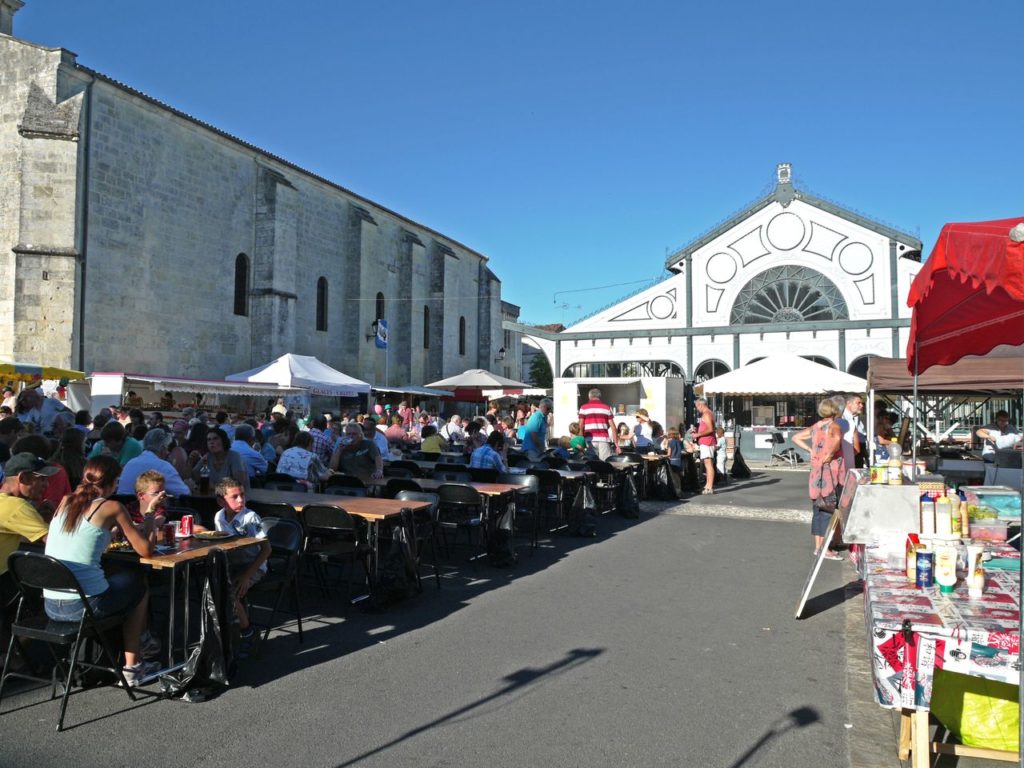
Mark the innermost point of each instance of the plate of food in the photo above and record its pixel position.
(212, 535)
(119, 546)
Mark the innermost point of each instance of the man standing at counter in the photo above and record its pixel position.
(1001, 434)
(854, 435)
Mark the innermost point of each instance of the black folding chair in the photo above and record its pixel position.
(291, 485)
(279, 509)
(527, 501)
(396, 484)
(782, 455)
(345, 485)
(412, 466)
(285, 536)
(334, 537)
(33, 572)
(483, 475)
(426, 525)
(551, 495)
(607, 485)
(460, 507)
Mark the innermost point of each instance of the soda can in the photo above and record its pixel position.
(169, 529)
(186, 525)
(925, 569)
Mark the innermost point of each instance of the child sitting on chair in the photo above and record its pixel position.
(249, 564)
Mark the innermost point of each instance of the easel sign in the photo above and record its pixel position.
(839, 521)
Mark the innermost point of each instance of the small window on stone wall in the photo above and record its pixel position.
(426, 327)
(242, 285)
(462, 335)
(380, 307)
(321, 304)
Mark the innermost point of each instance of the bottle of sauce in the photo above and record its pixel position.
(944, 517)
(965, 522)
(975, 571)
(945, 569)
(927, 507)
(955, 515)
(894, 471)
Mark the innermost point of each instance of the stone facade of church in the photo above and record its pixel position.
(134, 237)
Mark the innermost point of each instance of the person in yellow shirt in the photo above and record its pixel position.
(432, 442)
(26, 479)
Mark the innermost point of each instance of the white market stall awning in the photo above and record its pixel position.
(782, 375)
(304, 371)
(125, 381)
(479, 378)
(497, 394)
(411, 390)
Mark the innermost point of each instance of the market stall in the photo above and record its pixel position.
(968, 300)
(168, 393)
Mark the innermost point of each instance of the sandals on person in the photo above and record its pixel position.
(707, 492)
(833, 555)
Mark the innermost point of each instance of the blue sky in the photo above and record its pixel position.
(576, 143)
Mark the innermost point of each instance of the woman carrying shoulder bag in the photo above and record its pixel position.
(824, 442)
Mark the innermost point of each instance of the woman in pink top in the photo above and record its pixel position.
(704, 436)
(824, 442)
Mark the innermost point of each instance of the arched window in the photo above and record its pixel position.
(819, 360)
(426, 327)
(788, 294)
(242, 285)
(859, 367)
(618, 369)
(462, 335)
(380, 308)
(321, 304)
(709, 369)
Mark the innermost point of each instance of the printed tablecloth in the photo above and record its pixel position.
(912, 632)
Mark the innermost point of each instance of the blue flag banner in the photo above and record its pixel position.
(382, 334)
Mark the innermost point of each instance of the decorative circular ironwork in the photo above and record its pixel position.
(788, 294)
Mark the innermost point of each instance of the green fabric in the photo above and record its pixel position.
(979, 712)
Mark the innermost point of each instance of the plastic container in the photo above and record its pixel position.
(945, 568)
(988, 530)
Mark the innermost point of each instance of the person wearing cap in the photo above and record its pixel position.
(20, 521)
(36, 411)
(156, 445)
(280, 408)
(58, 484)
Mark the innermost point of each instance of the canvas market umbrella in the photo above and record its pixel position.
(469, 385)
(304, 371)
(783, 374)
(969, 296)
(31, 372)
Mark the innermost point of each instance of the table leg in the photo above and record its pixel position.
(903, 748)
(185, 609)
(920, 737)
(171, 616)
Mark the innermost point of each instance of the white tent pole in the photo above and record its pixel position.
(913, 437)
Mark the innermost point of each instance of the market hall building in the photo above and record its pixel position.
(135, 237)
(790, 273)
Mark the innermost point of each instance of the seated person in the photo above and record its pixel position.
(488, 456)
(560, 447)
(999, 435)
(300, 462)
(79, 533)
(249, 564)
(474, 435)
(674, 446)
(25, 481)
(395, 434)
(432, 443)
(58, 484)
(577, 442)
(357, 456)
(114, 441)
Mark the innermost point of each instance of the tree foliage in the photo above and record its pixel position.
(540, 372)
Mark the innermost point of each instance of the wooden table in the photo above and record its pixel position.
(373, 510)
(186, 552)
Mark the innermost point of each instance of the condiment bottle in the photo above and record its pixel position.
(944, 517)
(945, 568)
(965, 521)
(955, 515)
(913, 543)
(895, 466)
(927, 526)
(975, 571)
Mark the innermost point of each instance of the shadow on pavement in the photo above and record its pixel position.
(832, 598)
(800, 717)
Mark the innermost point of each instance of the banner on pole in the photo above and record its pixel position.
(382, 334)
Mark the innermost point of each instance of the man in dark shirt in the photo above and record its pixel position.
(357, 456)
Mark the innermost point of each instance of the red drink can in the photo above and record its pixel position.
(186, 525)
(169, 534)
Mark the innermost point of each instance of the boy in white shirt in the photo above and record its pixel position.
(248, 567)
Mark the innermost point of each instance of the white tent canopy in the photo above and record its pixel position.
(478, 377)
(783, 374)
(305, 371)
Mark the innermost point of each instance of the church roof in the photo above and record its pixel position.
(785, 193)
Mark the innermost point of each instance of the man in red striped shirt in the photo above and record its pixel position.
(597, 424)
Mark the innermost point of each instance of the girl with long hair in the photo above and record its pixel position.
(79, 533)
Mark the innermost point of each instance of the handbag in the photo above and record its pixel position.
(829, 501)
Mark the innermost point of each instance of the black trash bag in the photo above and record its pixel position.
(629, 499)
(397, 568)
(211, 665)
(740, 470)
(582, 516)
(501, 550)
(664, 489)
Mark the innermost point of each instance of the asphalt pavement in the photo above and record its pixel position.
(667, 641)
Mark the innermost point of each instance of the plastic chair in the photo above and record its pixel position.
(32, 573)
(426, 525)
(285, 536)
